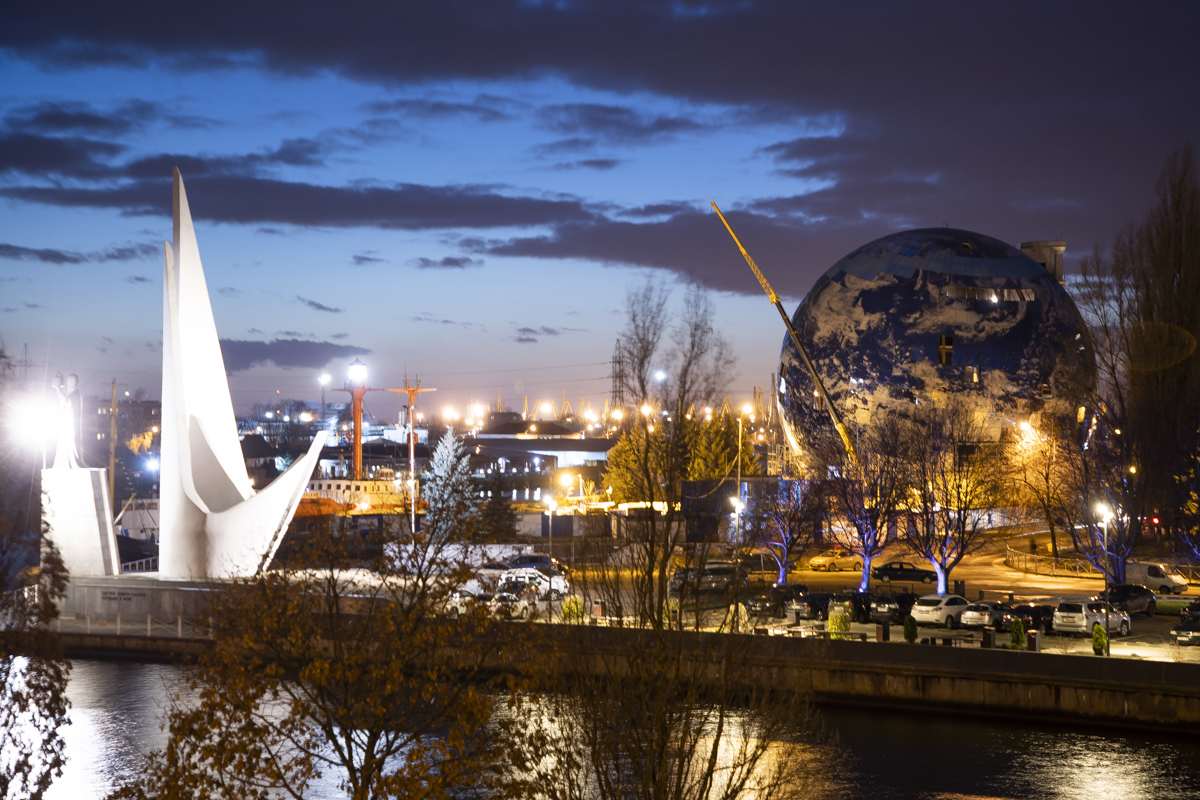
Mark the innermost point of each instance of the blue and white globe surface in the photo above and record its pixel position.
(919, 315)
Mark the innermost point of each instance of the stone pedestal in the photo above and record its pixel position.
(78, 517)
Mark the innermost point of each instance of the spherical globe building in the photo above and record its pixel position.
(921, 315)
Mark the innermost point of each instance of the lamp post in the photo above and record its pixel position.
(356, 385)
(738, 501)
(1105, 515)
(551, 505)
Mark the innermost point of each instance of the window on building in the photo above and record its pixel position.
(945, 349)
(971, 374)
(1045, 390)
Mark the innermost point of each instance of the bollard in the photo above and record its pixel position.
(883, 632)
(989, 639)
(147, 626)
(1033, 641)
(118, 624)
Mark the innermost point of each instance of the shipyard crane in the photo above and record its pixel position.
(812, 370)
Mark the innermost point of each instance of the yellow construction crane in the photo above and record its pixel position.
(774, 298)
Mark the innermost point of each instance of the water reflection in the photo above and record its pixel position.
(901, 756)
(117, 708)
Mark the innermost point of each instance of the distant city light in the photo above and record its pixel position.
(646, 409)
(152, 464)
(270, 415)
(618, 414)
(660, 376)
(324, 379)
(746, 409)
(306, 417)
(357, 372)
(547, 408)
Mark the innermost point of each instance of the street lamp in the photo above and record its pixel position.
(1106, 515)
(738, 502)
(551, 505)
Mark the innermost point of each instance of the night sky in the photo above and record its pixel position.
(467, 190)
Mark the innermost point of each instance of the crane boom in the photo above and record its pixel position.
(812, 370)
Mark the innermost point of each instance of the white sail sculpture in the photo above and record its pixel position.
(212, 523)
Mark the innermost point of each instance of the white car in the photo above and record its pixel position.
(491, 572)
(550, 587)
(939, 609)
(1080, 616)
(509, 606)
(463, 599)
(984, 613)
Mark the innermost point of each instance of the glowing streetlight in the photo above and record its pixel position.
(618, 415)
(152, 465)
(646, 409)
(660, 376)
(566, 479)
(547, 409)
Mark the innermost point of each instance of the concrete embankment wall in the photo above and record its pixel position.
(1001, 683)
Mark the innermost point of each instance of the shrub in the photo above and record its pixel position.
(838, 623)
(1018, 635)
(1099, 639)
(572, 610)
(910, 629)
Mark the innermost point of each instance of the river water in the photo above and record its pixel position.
(117, 709)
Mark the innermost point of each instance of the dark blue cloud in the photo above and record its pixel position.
(241, 355)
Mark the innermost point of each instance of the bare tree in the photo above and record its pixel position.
(869, 492)
(788, 513)
(954, 481)
(1040, 467)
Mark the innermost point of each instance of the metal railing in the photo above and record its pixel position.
(142, 565)
(1046, 565)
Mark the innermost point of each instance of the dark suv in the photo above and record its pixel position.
(892, 608)
(814, 605)
(772, 602)
(856, 603)
(683, 581)
(1032, 617)
(1190, 613)
(1131, 598)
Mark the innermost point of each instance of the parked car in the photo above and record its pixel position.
(892, 608)
(985, 613)
(857, 604)
(813, 605)
(539, 560)
(1187, 634)
(1190, 613)
(772, 602)
(462, 600)
(1032, 617)
(720, 576)
(1078, 617)
(550, 587)
(683, 580)
(1132, 598)
(1159, 577)
(903, 571)
(507, 605)
(835, 559)
(490, 573)
(939, 609)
